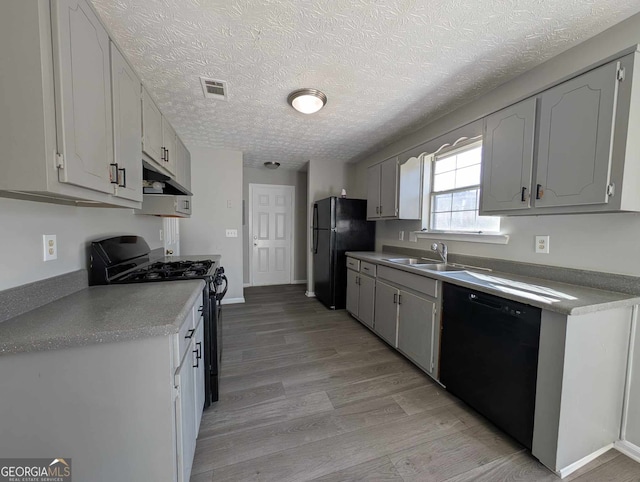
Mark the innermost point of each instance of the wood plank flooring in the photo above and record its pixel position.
(310, 394)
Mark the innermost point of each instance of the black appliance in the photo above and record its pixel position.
(339, 225)
(490, 357)
(127, 259)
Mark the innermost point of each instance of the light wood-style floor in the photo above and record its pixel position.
(311, 394)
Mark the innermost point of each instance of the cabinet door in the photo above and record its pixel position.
(416, 321)
(389, 188)
(127, 127)
(353, 291)
(83, 96)
(507, 157)
(152, 129)
(169, 144)
(199, 372)
(185, 415)
(386, 312)
(373, 192)
(366, 301)
(576, 133)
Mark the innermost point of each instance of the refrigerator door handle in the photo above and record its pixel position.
(315, 229)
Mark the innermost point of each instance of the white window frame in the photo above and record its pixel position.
(429, 172)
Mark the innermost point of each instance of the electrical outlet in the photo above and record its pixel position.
(232, 233)
(542, 244)
(50, 247)
(401, 236)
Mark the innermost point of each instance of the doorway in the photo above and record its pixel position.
(271, 220)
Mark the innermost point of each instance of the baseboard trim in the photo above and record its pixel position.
(299, 281)
(570, 469)
(309, 294)
(232, 301)
(630, 450)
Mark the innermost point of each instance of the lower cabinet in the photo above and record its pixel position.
(416, 329)
(361, 291)
(386, 312)
(401, 308)
(135, 402)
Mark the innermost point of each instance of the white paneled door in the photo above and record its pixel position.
(270, 233)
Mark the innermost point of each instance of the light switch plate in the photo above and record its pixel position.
(50, 247)
(401, 236)
(232, 233)
(542, 244)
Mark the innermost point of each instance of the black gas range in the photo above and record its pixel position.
(127, 259)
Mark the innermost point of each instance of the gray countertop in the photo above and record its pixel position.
(101, 314)
(563, 298)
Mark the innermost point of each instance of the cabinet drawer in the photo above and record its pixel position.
(353, 264)
(415, 282)
(368, 268)
(184, 336)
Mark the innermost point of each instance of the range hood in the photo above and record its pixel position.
(166, 185)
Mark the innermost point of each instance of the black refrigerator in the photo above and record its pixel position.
(339, 225)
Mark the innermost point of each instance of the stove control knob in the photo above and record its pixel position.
(169, 252)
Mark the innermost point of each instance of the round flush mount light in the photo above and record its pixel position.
(307, 101)
(272, 165)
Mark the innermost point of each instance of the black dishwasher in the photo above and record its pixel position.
(490, 357)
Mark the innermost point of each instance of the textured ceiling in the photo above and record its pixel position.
(387, 66)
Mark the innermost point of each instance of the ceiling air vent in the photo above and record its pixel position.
(214, 89)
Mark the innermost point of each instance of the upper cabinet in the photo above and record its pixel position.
(577, 121)
(127, 128)
(152, 130)
(586, 156)
(74, 126)
(56, 121)
(507, 157)
(83, 94)
(394, 189)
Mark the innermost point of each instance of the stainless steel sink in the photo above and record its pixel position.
(407, 261)
(440, 267)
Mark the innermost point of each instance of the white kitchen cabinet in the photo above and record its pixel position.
(127, 128)
(586, 154)
(382, 190)
(507, 158)
(576, 134)
(185, 413)
(386, 312)
(152, 144)
(360, 293)
(183, 165)
(165, 205)
(83, 91)
(169, 146)
(126, 401)
(395, 188)
(56, 127)
(199, 397)
(416, 328)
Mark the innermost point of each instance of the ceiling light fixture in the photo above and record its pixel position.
(272, 165)
(307, 101)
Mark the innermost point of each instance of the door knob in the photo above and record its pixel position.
(169, 252)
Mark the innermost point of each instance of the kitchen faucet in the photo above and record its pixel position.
(443, 252)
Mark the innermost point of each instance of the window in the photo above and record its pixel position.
(455, 192)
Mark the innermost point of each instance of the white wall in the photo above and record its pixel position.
(324, 179)
(216, 179)
(24, 222)
(283, 177)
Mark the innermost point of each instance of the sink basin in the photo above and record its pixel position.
(440, 267)
(407, 261)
